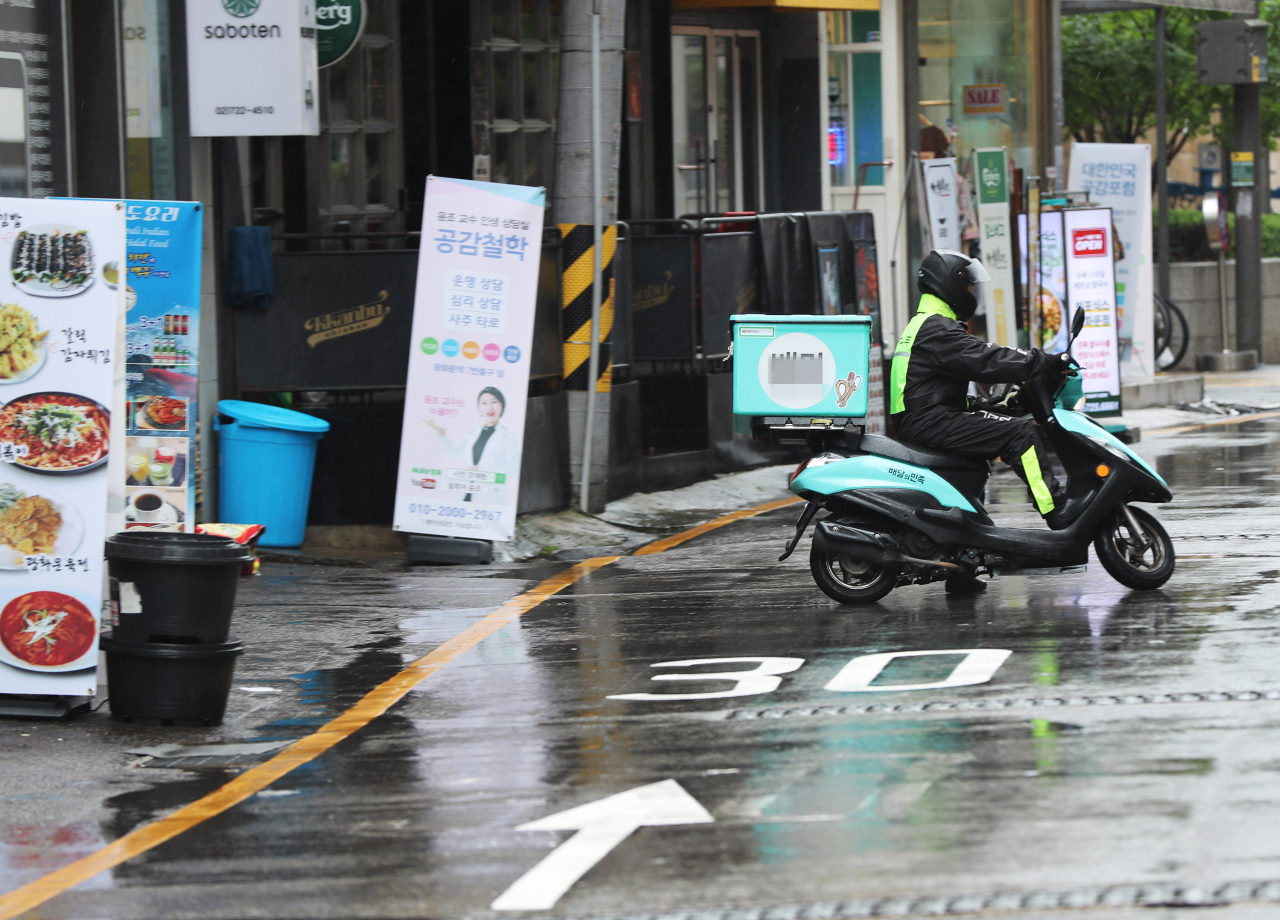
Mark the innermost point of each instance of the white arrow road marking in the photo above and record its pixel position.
(601, 826)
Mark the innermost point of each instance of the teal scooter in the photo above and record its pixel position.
(900, 515)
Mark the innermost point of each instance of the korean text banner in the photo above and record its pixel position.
(61, 306)
(464, 408)
(1091, 286)
(162, 346)
(1118, 176)
(991, 177)
(941, 188)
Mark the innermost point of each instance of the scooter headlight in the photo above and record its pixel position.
(1110, 448)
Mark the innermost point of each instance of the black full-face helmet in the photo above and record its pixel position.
(947, 274)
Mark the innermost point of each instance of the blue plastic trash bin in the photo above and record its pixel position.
(266, 458)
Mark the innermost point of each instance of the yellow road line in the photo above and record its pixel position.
(666, 543)
(373, 704)
(1234, 420)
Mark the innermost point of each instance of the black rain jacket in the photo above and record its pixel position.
(937, 356)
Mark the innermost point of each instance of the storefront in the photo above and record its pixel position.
(729, 106)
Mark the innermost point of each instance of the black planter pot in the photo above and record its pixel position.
(169, 684)
(173, 587)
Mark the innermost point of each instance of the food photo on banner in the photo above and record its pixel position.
(162, 296)
(468, 380)
(61, 312)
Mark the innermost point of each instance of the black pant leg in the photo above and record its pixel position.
(987, 435)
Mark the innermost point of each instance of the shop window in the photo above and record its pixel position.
(515, 68)
(360, 132)
(855, 117)
(148, 96)
(716, 120)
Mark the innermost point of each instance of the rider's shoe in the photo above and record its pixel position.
(965, 584)
(1063, 516)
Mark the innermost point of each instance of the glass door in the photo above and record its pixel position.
(716, 120)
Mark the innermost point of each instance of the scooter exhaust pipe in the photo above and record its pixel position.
(865, 547)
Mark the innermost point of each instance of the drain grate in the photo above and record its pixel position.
(1135, 699)
(206, 756)
(1170, 895)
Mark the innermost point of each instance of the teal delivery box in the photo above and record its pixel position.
(800, 367)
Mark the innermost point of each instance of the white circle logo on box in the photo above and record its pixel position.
(797, 370)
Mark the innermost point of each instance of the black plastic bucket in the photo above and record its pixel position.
(173, 587)
(184, 685)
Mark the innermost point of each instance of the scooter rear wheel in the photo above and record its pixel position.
(1143, 561)
(848, 580)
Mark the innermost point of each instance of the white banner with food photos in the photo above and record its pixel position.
(1091, 286)
(60, 333)
(464, 407)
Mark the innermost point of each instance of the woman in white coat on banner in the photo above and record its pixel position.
(488, 449)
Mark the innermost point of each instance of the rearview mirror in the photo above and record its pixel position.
(1077, 323)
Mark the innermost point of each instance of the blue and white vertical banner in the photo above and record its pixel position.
(161, 278)
(61, 398)
(1118, 176)
(464, 407)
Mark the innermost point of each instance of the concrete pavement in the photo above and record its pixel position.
(1124, 753)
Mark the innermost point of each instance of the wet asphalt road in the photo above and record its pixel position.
(1126, 752)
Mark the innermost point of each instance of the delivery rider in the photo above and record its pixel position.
(934, 361)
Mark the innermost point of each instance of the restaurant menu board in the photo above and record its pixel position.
(464, 407)
(60, 314)
(162, 294)
(1091, 286)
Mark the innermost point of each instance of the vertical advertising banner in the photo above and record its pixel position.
(991, 175)
(252, 67)
(1049, 303)
(1118, 176)
(1091, 286)
(464, 406)
(941, 189)
(35, 152)
(162, 296)
(60, 314)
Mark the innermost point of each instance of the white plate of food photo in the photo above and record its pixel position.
(48, 631)
(23, 350)
(52, 260)
(35, 522)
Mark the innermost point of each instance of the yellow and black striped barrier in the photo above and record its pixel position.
(578, 259)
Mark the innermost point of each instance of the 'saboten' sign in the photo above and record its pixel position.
(1091, 286)
(468, 380)
(252, 67)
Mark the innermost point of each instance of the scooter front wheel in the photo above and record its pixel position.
(848, 580)
(1140, 558)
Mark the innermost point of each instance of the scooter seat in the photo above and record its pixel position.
(920, 456)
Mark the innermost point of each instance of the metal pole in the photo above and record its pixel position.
(1162, 159)
(1222, 299)
(597, 194)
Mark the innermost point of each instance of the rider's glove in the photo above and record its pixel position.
(1058, 365)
